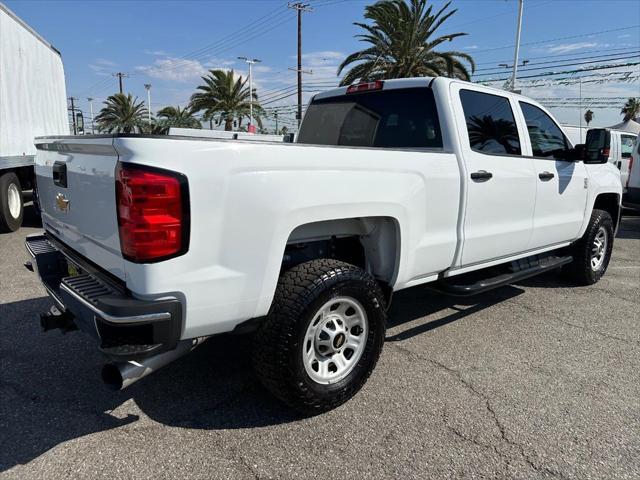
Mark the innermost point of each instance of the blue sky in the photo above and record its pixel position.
(170, 44)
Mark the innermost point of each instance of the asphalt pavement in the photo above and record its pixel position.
(536, 380)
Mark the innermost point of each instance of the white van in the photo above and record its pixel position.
(575, 133)
(631, 196)
(614, 145)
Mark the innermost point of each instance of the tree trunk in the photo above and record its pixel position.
(228, 124)
(211, 124)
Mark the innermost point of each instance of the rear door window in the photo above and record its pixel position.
(547, 139)
(626, 143)
(402, 118)
(491, 125)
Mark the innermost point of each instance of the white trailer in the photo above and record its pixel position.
(32, 103)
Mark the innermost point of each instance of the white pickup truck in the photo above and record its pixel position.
(152, 244)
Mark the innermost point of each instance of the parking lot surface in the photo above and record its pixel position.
(536, 380)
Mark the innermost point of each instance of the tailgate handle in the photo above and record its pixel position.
(60, 174)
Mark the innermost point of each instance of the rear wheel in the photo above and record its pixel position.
(322, 337)
(11, 206)
(591, 254)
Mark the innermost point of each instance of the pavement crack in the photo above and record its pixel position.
(457, 374)
(581, 327)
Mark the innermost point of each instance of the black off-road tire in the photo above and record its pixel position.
(580, 270)
(278, 343)
(9, 223)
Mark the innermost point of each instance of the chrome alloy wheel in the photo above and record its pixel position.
(335, 340)
(599, 249)
(14, 200)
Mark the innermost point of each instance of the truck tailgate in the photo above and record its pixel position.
(77, 197)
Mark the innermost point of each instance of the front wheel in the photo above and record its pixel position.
(11, 206)
(591, 254)
(322, 337)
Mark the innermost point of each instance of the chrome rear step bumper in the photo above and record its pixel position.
(126, 327)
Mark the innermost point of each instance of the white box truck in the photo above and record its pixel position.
(32, 103)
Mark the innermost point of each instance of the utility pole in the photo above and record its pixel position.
(515, 58)
(250, 61)
(73, 115)
(120, 76)
(276, 115)
(147, 86)
(90, 100)
(299, 7)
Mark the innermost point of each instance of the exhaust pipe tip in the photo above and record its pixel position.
(120, 375)
(112, 377)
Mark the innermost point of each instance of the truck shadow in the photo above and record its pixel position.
(630, 226)
(50, 388)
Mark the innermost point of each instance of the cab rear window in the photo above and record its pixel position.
(403, 118)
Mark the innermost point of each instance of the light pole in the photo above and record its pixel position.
(90, 100)
(147, 86)
(250, 62)
(515, 57)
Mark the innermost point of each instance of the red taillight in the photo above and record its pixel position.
(365, 87)
(152, 215)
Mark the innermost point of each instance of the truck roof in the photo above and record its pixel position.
(414, 82)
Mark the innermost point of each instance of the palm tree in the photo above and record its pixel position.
(122, 114)
(631, 109)
(486, 129)
(175, 117)
(224, 98)
(588, 116)
(403, 44)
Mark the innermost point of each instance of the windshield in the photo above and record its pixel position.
(403, 118)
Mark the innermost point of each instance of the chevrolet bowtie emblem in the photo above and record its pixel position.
(62, 203)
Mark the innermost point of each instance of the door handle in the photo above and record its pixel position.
(545, 176)
(60, 174)
(481, 175)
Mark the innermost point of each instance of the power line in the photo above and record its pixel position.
(222, 44)
(559, 38)
(585, 52)
(529, 64)
(546, 74)
(566, 65)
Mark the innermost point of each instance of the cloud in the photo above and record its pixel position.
(180, 69)
(470, 47)
(159, 53)
(570, 47)
(102, 66)
(321, 58)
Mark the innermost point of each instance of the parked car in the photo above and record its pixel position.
(613, 145)
(152, 244)
(33, 102)
(631, 196)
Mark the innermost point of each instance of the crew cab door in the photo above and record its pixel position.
(561, 184)
(500, 182)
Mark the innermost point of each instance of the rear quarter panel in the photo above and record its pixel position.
(247, 198)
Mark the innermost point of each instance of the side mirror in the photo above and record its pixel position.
(577, 153)
(580, 152)
(598, 146)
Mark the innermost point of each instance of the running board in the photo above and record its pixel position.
(520, 269)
